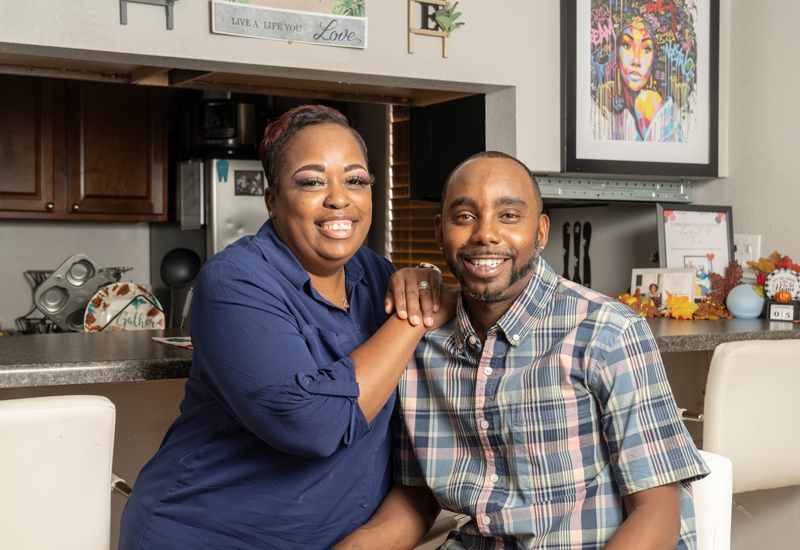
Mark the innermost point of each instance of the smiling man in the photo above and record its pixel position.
(542, 410)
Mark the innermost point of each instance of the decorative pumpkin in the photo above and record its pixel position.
(783, 296)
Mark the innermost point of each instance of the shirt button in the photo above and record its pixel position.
(486, 520)
(358, 327)
(494, 478)
(364, 503)
(515, 337)
(487, 371)
(485, 424)
(306, 382)
(472, 339)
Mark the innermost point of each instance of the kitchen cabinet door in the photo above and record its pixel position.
(30, 158)
(116, 152)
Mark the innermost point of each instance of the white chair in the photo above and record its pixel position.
(446, 522)
(712, 504)
(751, 412)
(55, 473)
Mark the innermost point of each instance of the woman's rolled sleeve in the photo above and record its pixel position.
(297, 395)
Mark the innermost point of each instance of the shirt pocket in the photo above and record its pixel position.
(325, 346)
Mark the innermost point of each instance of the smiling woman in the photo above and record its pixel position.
(282, 439)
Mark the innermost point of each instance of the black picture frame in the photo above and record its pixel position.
(668, 253)
(571, 163)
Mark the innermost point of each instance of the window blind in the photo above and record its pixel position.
(412, 238)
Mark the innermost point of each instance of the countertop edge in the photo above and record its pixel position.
(707, 342)
(93, 372)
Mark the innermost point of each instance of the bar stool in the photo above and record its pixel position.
(55, 472)
(751, 412)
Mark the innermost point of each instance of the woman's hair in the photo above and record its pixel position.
(279, 133)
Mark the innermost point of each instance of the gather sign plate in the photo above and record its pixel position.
(289, 25)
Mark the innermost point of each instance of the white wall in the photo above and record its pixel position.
(763, 183)
(32, 245)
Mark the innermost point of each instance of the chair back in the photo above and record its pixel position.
(712, 504)
(751, 412)
(55, 472)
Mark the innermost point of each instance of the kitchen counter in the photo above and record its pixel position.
(91, 358)
(79, 358)
(674, 335)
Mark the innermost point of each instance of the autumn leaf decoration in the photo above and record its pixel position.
(679, 307)
(644, 307)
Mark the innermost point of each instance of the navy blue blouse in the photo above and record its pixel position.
(271, 450)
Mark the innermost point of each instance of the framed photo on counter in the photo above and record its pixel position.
(655, 283)
(697, 237)
(641, 87)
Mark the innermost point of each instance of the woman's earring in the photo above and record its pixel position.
(541, 248)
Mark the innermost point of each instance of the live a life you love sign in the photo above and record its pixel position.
(264, 19)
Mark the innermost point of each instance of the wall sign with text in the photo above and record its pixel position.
(259, 20)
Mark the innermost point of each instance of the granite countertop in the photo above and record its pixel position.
(674, 335)
(89, 358)
(80, 358)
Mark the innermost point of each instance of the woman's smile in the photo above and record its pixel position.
(338, 228)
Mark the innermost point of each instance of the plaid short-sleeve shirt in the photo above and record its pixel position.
(538, 433)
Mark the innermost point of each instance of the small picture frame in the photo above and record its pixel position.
(249, 182)
(656, 282)
(695, 236)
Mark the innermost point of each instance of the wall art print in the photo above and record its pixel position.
(641, 81)
(644, 70)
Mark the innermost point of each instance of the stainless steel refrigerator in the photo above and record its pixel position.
(235, 191)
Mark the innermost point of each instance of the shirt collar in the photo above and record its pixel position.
(278, 254)
(518, 321)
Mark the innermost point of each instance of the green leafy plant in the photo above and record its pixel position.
(353, 8)
(446, 18)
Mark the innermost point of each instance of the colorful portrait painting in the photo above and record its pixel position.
(644, 67)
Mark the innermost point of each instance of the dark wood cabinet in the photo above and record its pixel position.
(73, 150)
(28, 109)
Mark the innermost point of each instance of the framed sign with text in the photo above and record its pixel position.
(641, 86)
(327, 22)
(695, 236)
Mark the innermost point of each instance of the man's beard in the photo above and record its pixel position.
(516, 274)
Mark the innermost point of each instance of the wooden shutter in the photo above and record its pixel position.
(410, 222)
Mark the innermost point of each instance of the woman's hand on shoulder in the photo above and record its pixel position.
(448, 298)
(405, 297)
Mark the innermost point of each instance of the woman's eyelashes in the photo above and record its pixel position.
(361, 179)
(354, 180)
